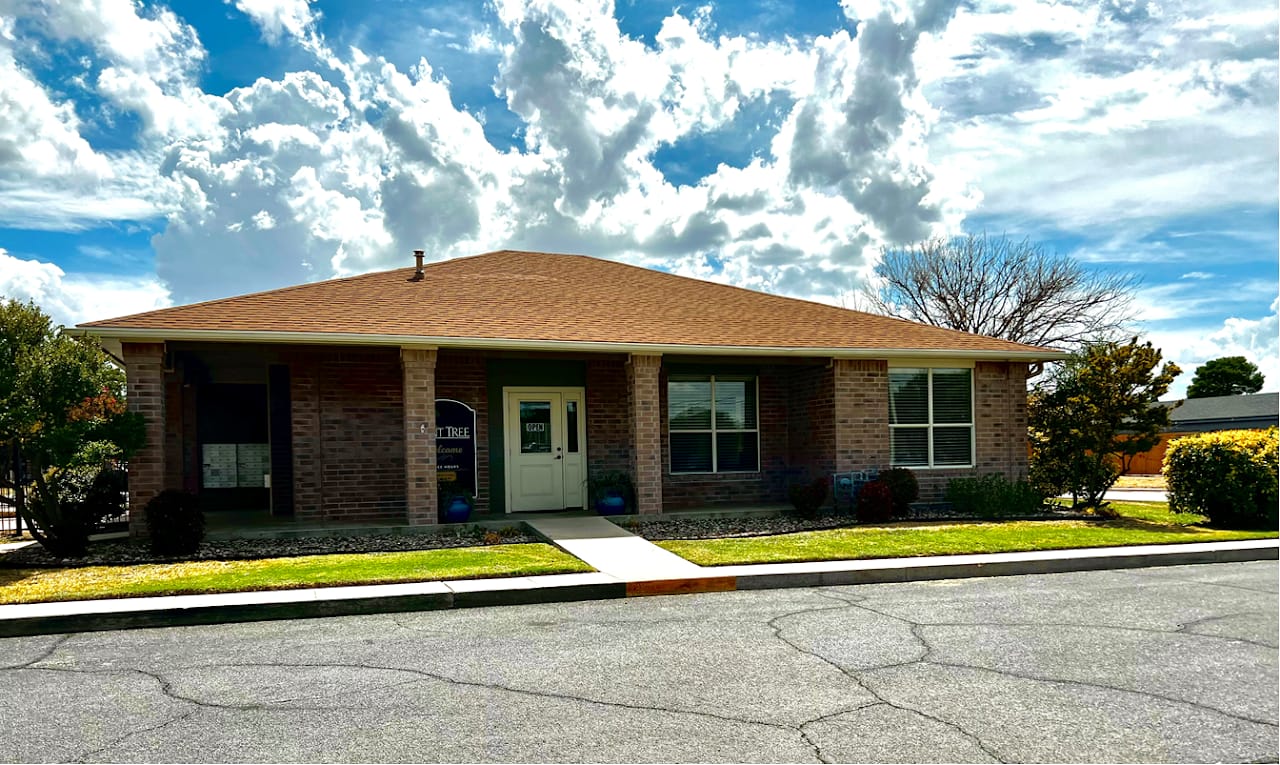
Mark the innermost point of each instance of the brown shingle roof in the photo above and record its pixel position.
(535, 296)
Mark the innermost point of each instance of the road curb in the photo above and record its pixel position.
(190, 610)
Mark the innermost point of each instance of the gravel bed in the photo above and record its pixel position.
(128, 551)
(658, 529)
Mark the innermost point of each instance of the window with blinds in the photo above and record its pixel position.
(713, 424)
(931, 417)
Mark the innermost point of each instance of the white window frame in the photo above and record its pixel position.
(930, 425)
(713, 430)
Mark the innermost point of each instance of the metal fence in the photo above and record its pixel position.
(14, 482)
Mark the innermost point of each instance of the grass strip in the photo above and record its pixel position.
(1142, 524)
(200, 577)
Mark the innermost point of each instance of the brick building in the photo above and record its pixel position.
(320, 401)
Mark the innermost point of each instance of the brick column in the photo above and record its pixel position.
(861, 413)
(419, 367)
(144, 370)
(308, 450)
(646, 431)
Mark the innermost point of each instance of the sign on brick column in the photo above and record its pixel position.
(144, 371)
(861, 413)
(419, 368)
(646, 432)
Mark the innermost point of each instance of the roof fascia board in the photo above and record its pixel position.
(126, 334)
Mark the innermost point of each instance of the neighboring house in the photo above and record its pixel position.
(1256, 411)
(319, 401)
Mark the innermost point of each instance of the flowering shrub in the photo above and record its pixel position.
(1230, 476)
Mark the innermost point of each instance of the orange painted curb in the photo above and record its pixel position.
(682, 586)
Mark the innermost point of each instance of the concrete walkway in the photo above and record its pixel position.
(611, 549)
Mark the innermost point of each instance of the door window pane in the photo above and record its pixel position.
(737, 452)
(690, 452)
(571, 424)
(535, 427)
(689, 404)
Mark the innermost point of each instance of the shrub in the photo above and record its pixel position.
(175, 523)
(903, 486)
(993, 496)
(875, 503)
(1230, 476)
(107, 495)
(808, 498)
(64, 527)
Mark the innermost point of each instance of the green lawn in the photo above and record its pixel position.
(1142, 523)
(36, 585)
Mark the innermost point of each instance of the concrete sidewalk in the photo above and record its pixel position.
(627, 566)
(611, 549)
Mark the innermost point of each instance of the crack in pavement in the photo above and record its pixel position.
(45, 654)
(1102, 686)
(1185, 628)
(854, 675)
(916, 628)
(85, 757)
(817, 748)
(167, 689)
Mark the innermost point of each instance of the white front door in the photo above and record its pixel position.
(546, 446)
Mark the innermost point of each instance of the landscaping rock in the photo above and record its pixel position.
(130, 551)
(692, 527)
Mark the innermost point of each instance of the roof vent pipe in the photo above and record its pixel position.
(417, 256)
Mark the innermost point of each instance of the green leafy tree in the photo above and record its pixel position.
(62, 404)
(1227, 376)
(1093, 414)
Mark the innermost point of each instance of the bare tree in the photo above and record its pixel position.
(1013, 290)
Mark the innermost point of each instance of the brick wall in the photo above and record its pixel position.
(419, 423)
(608, 416)
(811, 422)
(646, 431)
(144, 365)
(861, 413)
(348, 440)
(461, 377)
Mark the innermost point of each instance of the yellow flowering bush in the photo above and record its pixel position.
(1232, 476)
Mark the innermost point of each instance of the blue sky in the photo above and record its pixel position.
(153, 153)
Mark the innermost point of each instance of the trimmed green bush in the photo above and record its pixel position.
(175, 523)
(903, 486)
(993, 496)
(1230, 476)
(875, 503)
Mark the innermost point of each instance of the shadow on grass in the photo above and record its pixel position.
(13, 576)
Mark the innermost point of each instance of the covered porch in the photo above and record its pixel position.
(278, 437)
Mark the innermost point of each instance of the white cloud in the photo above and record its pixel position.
(1089, 114)
(1258, 340)
(1060, 113)
(80, 297)
(277, 18)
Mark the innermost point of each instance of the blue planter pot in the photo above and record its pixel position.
(611, 504)
(457, 511)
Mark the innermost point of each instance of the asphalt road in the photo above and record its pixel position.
(1166, 664)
